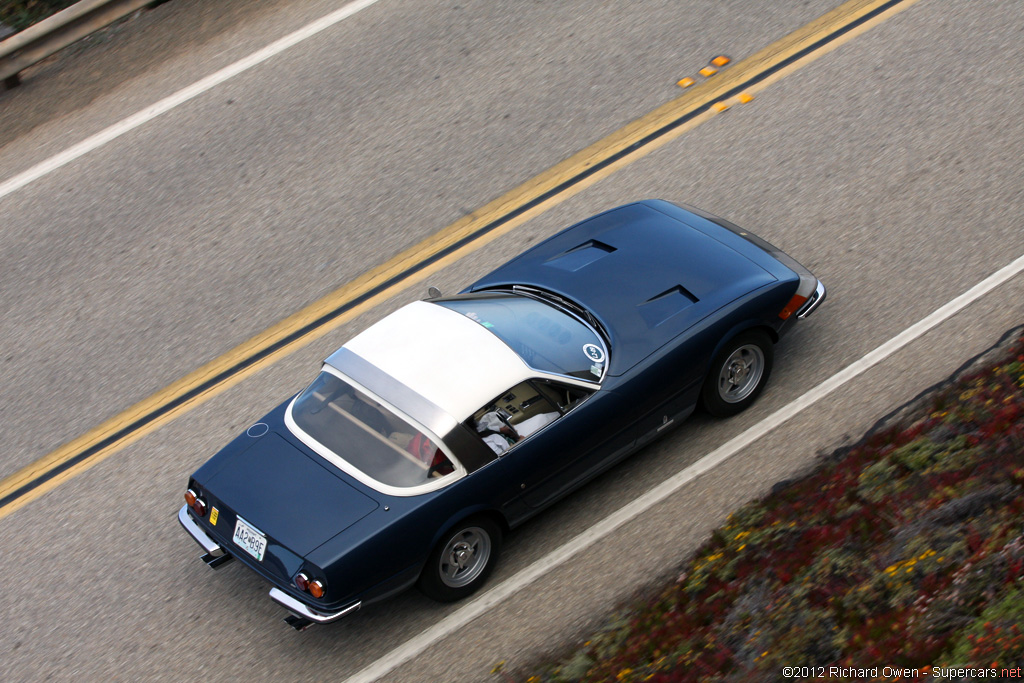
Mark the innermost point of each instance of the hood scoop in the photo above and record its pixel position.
(580, 256)
(669, 303)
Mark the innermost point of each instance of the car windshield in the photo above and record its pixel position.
(547, 338)
(367, 435)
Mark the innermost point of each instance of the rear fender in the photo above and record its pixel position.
(463, 515)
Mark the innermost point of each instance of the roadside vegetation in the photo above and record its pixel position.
(906, 550)
(20, 14)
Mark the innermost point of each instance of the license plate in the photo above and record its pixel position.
(249, 539)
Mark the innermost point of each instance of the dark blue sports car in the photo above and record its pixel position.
(433, 433)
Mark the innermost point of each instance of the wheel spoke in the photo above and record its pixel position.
(464, 557)
(741, 373)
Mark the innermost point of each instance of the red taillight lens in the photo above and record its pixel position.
(197, 504)
(793, 306)
(314, 587)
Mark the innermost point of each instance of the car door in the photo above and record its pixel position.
(589, 431)
(664, 393)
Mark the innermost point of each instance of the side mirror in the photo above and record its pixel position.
(433, 292)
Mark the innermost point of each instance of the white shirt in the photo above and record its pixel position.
(498, 443)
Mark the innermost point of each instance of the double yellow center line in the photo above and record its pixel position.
(445, 247)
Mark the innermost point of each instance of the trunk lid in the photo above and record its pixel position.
(290, 495)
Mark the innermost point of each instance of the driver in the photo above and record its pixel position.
(500, 436)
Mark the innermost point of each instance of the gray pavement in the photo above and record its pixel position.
(890, 167)
(178, 241)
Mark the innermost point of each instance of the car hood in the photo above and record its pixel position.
(292, 496)
(648, 271)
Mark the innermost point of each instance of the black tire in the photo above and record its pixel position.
(738, 374)
(462, 560)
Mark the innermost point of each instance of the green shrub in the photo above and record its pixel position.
(905, 549)
(20, 14)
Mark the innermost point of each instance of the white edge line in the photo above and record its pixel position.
(456, 620)
(184, 95)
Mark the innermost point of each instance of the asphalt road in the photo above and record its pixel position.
(891, 167)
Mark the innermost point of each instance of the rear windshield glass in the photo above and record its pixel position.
(545, 337)
(367, 435)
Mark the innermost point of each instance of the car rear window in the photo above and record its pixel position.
(367, 435)
(547, 338)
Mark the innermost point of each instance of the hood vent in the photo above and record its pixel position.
(580, 256)
(661, 307)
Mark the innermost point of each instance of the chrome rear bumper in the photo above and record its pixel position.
(303, 610)
(216, 556)
(208, 544)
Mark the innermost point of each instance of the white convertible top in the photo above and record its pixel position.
(445, 357)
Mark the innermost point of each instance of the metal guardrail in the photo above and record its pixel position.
(39, 41)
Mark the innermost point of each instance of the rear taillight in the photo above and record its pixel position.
(793, 306)
(197, 504)
(314, 587)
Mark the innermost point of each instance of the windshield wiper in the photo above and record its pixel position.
(567, 305)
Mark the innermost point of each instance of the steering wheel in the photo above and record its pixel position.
(504, 420)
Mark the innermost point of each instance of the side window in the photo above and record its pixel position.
(565, 396)
(523, 410)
